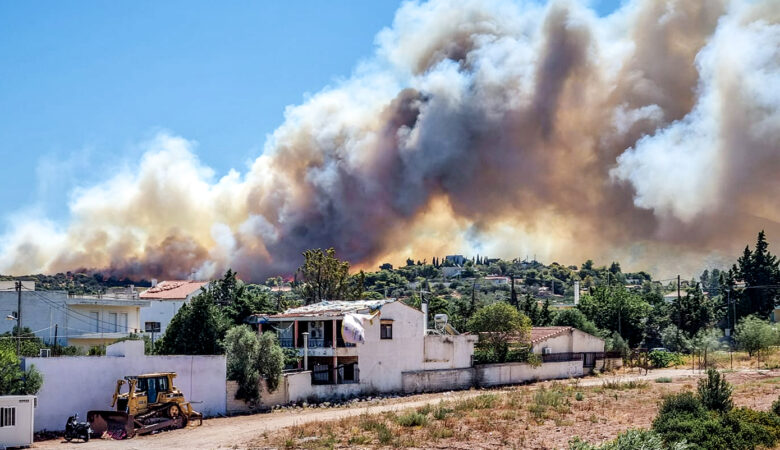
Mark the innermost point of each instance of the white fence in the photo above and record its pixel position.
(82, 383)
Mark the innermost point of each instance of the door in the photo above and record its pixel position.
(151, 390)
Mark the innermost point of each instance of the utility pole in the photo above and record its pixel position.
(19, 319)
(678, 287)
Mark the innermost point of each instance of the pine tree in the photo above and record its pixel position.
(545, 317)
(758, 269)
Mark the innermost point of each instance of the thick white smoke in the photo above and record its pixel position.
(500, 127)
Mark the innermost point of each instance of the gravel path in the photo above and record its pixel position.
(231, 432)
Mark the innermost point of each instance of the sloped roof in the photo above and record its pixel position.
(173, 290)
(327, 308)
(539, 334)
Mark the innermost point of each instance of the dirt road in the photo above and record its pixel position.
(237, 432)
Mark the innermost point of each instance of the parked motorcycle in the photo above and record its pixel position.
(77, 430)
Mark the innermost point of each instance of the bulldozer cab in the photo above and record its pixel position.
(153, 385)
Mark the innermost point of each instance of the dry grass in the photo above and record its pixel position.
(546, 415)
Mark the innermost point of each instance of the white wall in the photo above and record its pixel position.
(513, 373)
(584, 342)
(83, 383)
(160, 311)
(438, 380)
(573, 341)
(448, 352)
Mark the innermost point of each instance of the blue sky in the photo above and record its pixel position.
(83, 83)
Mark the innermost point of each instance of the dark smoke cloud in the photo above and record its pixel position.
(508, 129)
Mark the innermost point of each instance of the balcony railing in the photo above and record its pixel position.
(340, 343)
(286, 342)
(562, 357)
(588, 358)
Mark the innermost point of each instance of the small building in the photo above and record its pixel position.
(165, 299)
(396, 341)
(496, 280)
(17, 420)
(567, 343)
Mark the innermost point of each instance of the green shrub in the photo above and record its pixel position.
(663, 380)
(776, 407)
(750, 428)
(412, 419)
(579, 397)
(440, 412)
(715, 392)
(661, 359)
(683, 418)
(483, 401)
(629, 440)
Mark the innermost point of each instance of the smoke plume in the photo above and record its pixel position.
(504, 128)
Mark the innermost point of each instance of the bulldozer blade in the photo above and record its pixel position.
(117, 424)
(167, 424)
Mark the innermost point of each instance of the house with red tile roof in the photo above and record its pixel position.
(166, 297)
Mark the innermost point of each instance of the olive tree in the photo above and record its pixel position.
(498, 325)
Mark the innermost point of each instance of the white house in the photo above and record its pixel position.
(165, 299)
(496, 280)
(557, 344)
(82, 320)
(396, 341)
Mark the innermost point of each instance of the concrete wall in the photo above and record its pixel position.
(513, 373)
(448, 352)
(438, 380)
(83, 383)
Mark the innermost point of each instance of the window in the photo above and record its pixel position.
(151, 327)
(95, 316)
(7, 417)
(123, 323)
(386, 330)
(112, 326)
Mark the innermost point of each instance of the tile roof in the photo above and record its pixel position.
(330, 309)
(173, 290)
(539, 334)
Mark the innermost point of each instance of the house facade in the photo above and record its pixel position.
(82, 321)
(396, 341)
(558, 344)
(165, 299)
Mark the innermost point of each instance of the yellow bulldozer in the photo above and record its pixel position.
(151, 403)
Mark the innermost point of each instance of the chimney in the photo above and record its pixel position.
(576, 293)
(154, 282)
